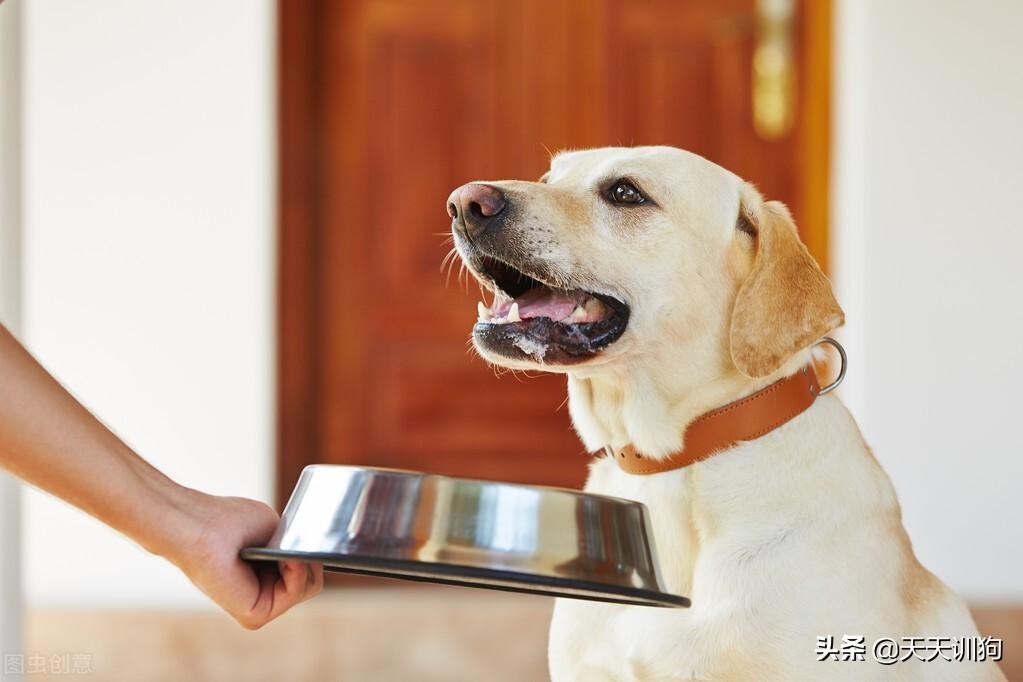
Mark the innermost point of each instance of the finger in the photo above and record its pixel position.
(296, 577)
(290, 588)
(314, 584)
(261, 610)
(319, 575)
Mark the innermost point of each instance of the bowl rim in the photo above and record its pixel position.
(481, 481)
(464, 575)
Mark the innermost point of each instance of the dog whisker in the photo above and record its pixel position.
(448, 263)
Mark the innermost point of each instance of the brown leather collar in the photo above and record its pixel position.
(745, 419)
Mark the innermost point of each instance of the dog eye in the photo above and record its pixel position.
(625, 193)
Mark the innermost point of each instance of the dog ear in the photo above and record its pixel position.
(785, 303)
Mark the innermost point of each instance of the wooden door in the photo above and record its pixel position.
(387, 105)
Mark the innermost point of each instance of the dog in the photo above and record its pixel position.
(666, 287)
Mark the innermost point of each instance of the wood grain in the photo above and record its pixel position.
(387, 105)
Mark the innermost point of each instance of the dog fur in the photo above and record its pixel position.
(777, 541)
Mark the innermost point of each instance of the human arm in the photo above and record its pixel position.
(50, 440)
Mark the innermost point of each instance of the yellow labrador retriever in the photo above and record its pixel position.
(667, 290)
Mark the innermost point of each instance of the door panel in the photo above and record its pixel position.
(387, 105)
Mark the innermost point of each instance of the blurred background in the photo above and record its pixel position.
(219, 228)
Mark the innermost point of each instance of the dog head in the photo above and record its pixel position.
(624, 253)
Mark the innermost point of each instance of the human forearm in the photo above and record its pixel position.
(50, 440)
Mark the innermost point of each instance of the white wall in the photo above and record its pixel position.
(929, 242)
(148, 258)
(10, 304)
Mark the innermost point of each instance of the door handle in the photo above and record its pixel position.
(774, 70)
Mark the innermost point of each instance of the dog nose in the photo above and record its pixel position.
(474, 206)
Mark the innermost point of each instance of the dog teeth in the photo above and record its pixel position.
(484, 312)
(579, 314)
(513, 313)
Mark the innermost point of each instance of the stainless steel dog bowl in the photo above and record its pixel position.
(502, 536)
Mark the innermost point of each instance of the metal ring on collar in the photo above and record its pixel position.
(841, 372)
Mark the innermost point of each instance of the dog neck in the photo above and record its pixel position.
(649, 407)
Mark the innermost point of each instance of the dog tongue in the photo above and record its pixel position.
(544, 302)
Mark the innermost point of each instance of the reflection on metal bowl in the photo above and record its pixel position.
(504, 536)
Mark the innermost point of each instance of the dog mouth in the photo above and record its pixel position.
(533, 319)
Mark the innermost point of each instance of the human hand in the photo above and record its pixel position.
(49, 439)
(253, 594)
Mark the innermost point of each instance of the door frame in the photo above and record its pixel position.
(300, 266)
(300, 230)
